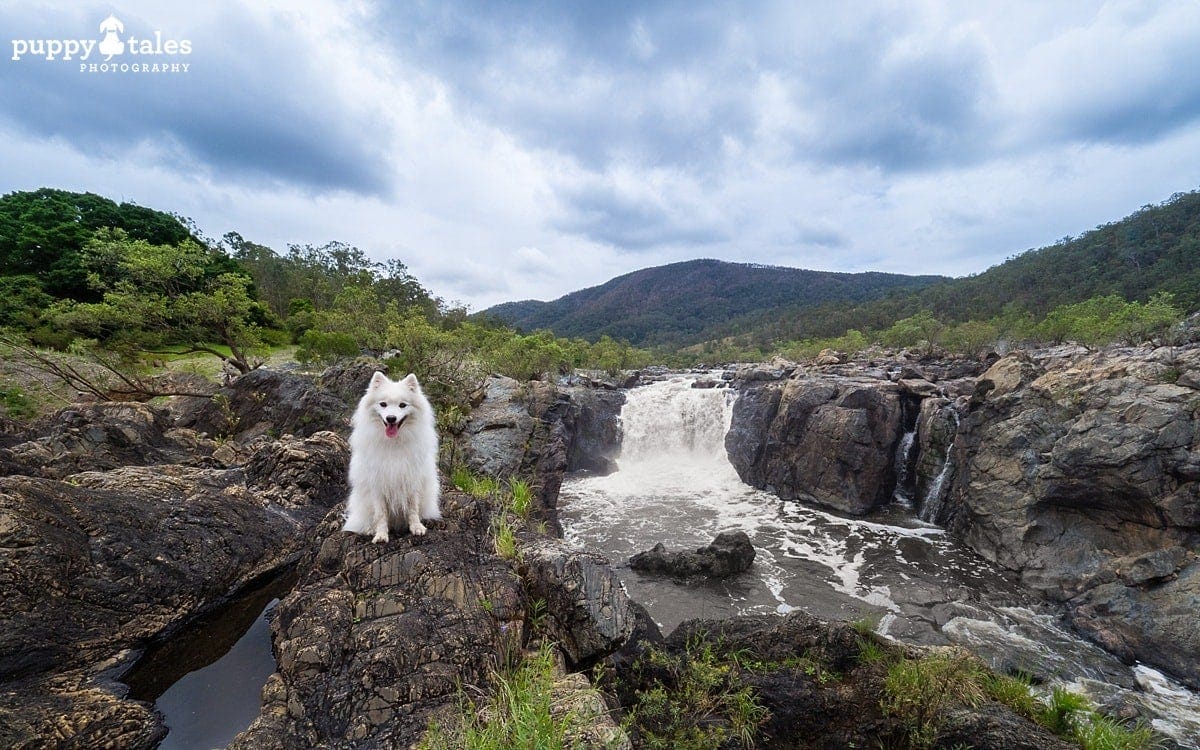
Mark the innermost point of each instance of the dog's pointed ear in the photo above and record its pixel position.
(377, 380)
(411, 381)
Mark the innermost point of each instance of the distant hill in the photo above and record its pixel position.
(1154, 249)
(682, 303)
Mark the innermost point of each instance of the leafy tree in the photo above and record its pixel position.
(43, 233)
(164, 296)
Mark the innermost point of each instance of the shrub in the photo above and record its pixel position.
(698, 701)
(918, 692)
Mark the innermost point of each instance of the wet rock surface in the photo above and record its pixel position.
(824, 439)
(731, 552)
(596, 437)
(1080, 472)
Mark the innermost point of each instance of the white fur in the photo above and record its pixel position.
(392, 480)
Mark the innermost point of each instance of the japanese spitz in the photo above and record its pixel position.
(393, 460)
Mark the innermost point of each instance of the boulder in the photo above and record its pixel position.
(729, 553)
(498, 431)
(829, 357)
(266, 402)
(588, 611)
(349, 380)
(828, 440)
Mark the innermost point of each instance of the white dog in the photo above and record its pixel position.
(393, 460)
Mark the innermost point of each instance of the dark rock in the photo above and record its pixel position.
(94, 568)
(498, 431)
(729, 553)
(994, 726)
(349, 380)
(596, 436)
(753, 413)
(378, 639)
(267, 402)
(829, 440)
(705, 383)
(588, 610)
(98, 436)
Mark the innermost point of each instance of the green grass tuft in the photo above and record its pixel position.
(518, 714)
(520, 495)
(506, 538)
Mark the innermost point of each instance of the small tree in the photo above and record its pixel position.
(166, 296)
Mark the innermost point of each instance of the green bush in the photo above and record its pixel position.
(919, 692)
(699, 702)
(319, 346)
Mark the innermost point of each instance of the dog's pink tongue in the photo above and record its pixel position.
(391, 430)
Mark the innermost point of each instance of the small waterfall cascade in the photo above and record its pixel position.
(904, 473)
(935, 494)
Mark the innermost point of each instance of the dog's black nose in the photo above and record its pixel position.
(390, 419)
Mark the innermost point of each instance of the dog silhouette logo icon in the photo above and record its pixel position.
(111, 44)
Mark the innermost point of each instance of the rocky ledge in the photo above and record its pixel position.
(1081, 471)
(97, 565)
(378, 641)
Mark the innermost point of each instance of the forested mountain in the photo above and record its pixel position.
(682, 303)
(1155, 249)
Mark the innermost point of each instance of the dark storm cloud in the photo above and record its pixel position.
(605, 215)
(252, 106)
(668, 84)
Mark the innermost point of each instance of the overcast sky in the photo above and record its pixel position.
(523, 151)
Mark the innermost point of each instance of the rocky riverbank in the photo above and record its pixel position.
(1076, 470)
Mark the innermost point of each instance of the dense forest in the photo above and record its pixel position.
(684, 303)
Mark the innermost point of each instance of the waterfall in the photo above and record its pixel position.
(673, 421)
(931, 504)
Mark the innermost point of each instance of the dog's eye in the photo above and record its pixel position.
(383, 404)
(402, 405)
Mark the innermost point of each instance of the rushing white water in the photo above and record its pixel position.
(675, 485)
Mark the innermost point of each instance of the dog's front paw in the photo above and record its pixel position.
(380, 538)
(417, 528)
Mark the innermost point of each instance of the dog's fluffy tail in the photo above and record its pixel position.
(430, 508)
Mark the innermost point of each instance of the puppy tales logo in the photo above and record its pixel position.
(111, 53)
